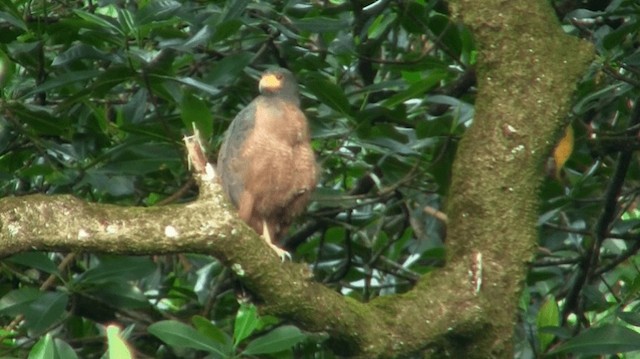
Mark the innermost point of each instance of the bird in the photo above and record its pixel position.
(266, 165)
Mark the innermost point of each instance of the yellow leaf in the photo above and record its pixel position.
(563, 150)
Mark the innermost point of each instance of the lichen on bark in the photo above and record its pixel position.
(526, 73)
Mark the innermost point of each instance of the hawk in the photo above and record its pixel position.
(266, 165)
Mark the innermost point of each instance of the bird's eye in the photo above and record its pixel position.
(279, 76)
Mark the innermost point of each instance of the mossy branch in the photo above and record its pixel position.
(209, 225)
(526, 71)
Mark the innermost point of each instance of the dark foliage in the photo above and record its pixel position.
(96, 98)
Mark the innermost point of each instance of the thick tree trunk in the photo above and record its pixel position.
(527, 69)
(526, 73)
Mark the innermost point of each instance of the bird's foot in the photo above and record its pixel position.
(284, 255)
(267, 238)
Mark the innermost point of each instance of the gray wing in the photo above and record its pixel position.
(231, 167)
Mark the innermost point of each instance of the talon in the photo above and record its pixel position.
(284, 255)
(267, 238)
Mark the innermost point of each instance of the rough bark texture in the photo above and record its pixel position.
(527, 69)
(526, 73)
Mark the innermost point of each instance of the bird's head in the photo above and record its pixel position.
(279, 82)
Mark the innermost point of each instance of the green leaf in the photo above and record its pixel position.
(180, 335)
(126, 22)
(233, 9)
(202, 36)
(277, 340)
(593, 99)
(417, 90)
(15, 302)
(116, 346)
(603, 340)
(204, 326)
(139, 159)
(63, 80)
(442, 27)
(319, 24)
(64, 350)
(195, 111)
(156, 11)
(122, 294)
(100, 22)
(13, 20)
(246, 322)
(45, 311)
(81, 52)
(227, 70)
(43, 349)
(7, 72)
(632, 318)
(415, 17)
(391, 146)
(37, 260)
(615, 37)
(329, 94)
(118, 269)
(133, 112)
(111, 77)
(225, 29)
(267, 321)
(39, 119)
(380, 25)
(195, 84)
(548, 316)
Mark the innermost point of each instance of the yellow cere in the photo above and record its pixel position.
(270, 81)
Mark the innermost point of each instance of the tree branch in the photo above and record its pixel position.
(465, 309)
(210, 225)
(588, 266)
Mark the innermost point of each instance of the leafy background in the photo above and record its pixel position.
(96, 97)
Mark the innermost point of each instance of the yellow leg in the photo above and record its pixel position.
(267, 238)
